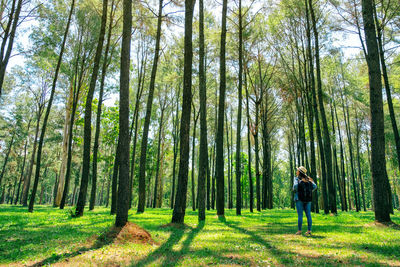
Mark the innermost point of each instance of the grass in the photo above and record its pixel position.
(51, 237)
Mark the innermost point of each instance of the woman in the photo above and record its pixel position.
(303, 186)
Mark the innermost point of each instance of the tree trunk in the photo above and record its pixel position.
(378, 162)
(175, 138)
(99, 110)
(230, 203)
(23, 164)
(46, 116)
(77, 87)
(142, 75)
(360, 176)
(123, 185)
(348, 127)
(195, 118)
(87, 131)
(114, 187)
(219, 163)
(249, 148)
(326, 137)
(180, 203)
(7, 155)
(157, 178)
(9, 36)
(203, 157)
(61, 182)
(143, 149)
(387, 85)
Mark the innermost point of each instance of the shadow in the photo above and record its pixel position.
(104, 239)
(388, 250)
(171, 257)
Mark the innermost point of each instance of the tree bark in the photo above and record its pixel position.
(123, 185)
(87, 130)
(98, 115)
(378, 162)
(203, 157)
(239, 120)
(143, 149)
(251, 189)
(327, 142)
(219, 163)
(178, 215)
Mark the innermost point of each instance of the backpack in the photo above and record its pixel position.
(304, 191)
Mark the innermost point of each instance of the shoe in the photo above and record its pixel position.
(298, 233)
(308, 233)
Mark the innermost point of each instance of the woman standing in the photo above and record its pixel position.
(303, 186)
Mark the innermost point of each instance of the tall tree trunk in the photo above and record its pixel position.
(326, 137)
(8, 38)
(7, 155)
(61, 182)
(387, 85)
(76, 92)
(114, 186)
(46, 116)
(23, 163)
(336, 166)
(87, 130)
(157, 182)
(99, 110)
(219, 163)
(348, 127)
(239, 120)
(203, 157)
(175, 138)
(378, 162)
(230, 204)
(123, 185)
(360, 176)
(342, 181)
(142, 75)
(251, 192)
(143, 149)
(257, 149)
(195, 118)
(178, 215)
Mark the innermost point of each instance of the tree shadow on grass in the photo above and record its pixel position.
(104, 239)
(166, 249)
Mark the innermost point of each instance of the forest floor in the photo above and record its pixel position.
(49, 236)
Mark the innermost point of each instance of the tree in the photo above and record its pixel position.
(203, 157)
(88, 116)
(8, 37)
(123, 185)
(46, 116)
(219, 161)
(143, 148)
(178, 215)
(380, 181)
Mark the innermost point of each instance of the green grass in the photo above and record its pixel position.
(50, 236)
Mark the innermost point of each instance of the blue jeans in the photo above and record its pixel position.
(306, 206)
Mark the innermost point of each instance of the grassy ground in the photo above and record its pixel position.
(51, 237)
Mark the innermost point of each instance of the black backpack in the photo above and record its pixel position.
(304, 191)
